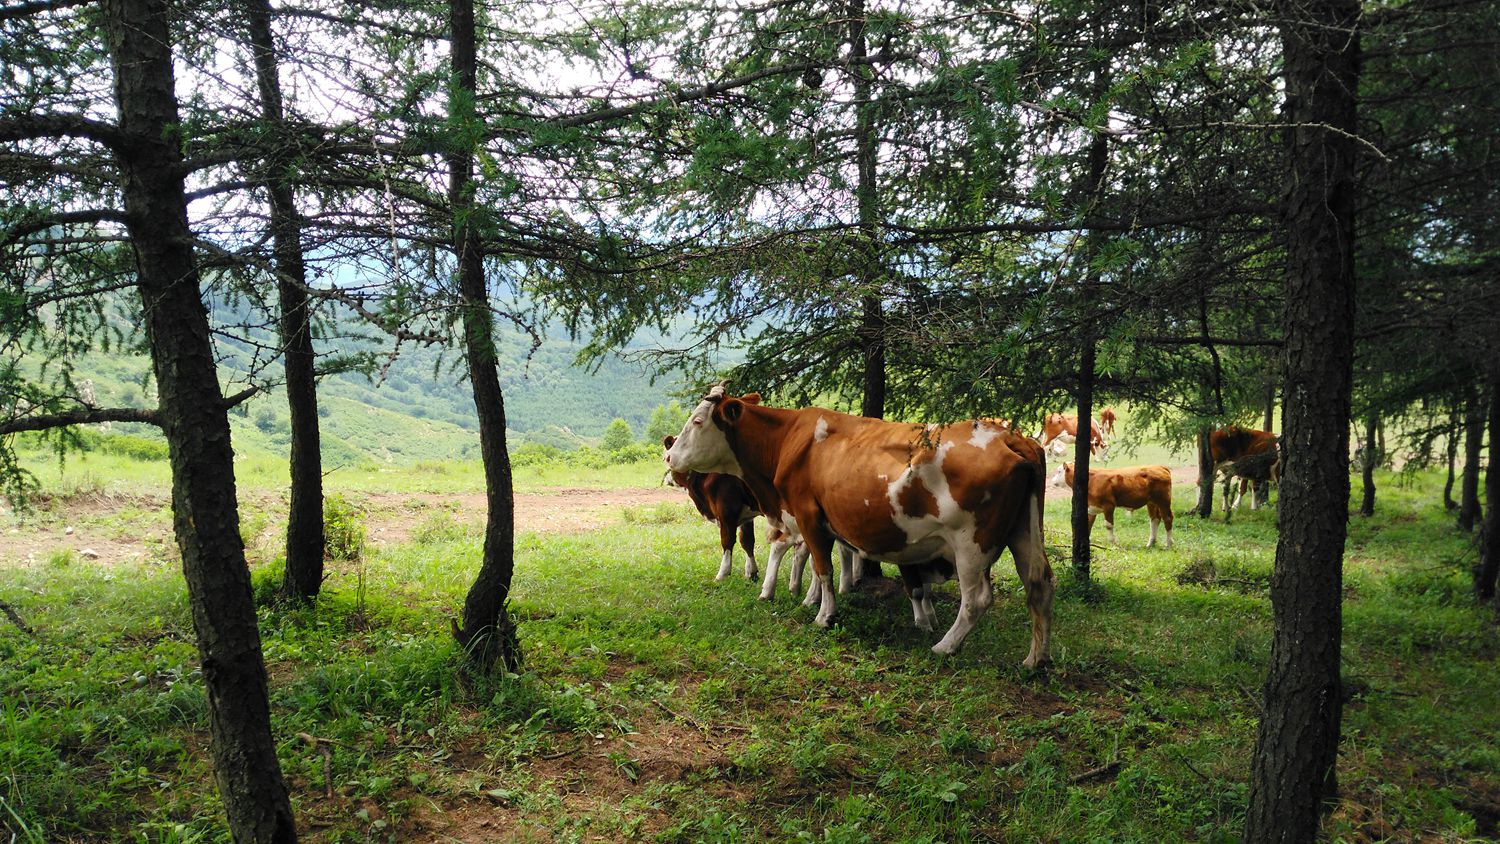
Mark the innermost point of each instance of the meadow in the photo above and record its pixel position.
(657, 705)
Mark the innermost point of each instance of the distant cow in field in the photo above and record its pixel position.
(1062, 429)
(895, 492)
(1232, 443)
(1132, 489)
(1107, 420)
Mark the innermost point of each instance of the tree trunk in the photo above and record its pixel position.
(1205, 506)
(1489, 539)
(872, 327)
(1083, 447)
(1452, 451)
(1370, 457)
(1468, 496)
(1293, 772)
(205, 516)
(304, 529)
(1261, 491)
(487, 635)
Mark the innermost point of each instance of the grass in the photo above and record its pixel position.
(659, 706)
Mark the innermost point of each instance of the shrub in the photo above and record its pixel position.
(617, 436)
(343, 528)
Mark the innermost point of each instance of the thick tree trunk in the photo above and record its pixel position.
(304, 529)
(1468, 496)
(1205, 506)
(1370, 457)
(1452, 453)
(205, 516)
(1293, 772)
(1489, 539)
(488, 635)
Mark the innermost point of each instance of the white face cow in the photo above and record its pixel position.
(702, 446)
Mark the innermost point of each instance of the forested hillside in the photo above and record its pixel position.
(416, 406)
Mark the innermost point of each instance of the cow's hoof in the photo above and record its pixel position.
(752, 574)
(765, 596)
(822, 622)
(944, 649)
(720, 578)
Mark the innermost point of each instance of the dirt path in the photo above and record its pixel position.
(107, 528)
(110, 528)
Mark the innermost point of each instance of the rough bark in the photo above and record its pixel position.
(1489, 539)
(1293, 772)
(1369, 459)
(304, 530)
(1468, 495)
(192, 411)
(1205, 506)
(487, 633)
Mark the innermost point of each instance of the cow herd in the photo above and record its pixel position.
(940, 502)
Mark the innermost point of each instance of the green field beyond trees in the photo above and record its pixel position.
(656, 705)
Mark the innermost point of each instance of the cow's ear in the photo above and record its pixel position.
(668, 440)
(730, 410)
(750, 398)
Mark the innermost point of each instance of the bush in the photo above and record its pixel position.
(343, 529)
(124, 445)
(617, 436)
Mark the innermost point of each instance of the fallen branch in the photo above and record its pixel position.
(1094, 773)
(1261, 707)
(15, 618)
(323, 746)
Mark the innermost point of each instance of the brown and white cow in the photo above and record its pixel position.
(1232, 443)
(1107, 420)
(1062, 429)
(1132, 489)
(728, 503)
(900, 493)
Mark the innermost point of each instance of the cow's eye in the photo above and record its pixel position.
(697, 421)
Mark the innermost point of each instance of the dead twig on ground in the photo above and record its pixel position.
(15, 618)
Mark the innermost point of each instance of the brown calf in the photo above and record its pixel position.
(1133, 488)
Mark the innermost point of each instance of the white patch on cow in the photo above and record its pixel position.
(983, 435)
(1094, 511)
(883, 476)
(702, 446)
(724, 566)
(1059, 477)
(1168, 543)
(867, 503)
(820, 433)
(929, 536)
(1152, 541)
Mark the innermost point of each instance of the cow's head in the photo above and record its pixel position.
(1064, 474)
(703, 445)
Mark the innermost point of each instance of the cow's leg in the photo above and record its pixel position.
(916, 589)
(1240, 494)
(799, 560)
(747, 542)
(1036, 575)
(1166, 518)
(847, 568)
(779, 546)
(1109, 525)
(726, 541)
(1255, 500)
(1155, 514)
(975, 596)
(820, 546)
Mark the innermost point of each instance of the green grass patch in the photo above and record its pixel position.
(657, 705)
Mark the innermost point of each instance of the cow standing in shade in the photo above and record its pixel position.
(900, 493)
(1132, 489)
(1230, 444)
(1107, 420)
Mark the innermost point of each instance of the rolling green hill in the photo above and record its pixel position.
(418, 407)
